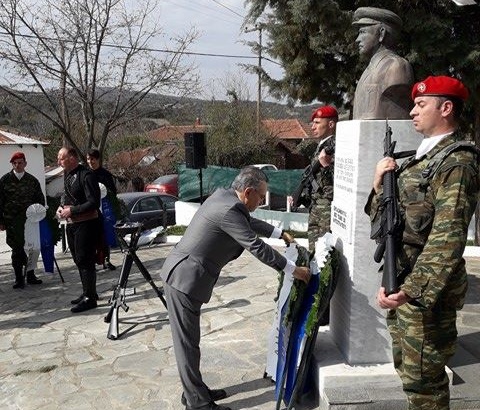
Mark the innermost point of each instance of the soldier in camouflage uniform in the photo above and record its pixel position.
(18, 190)
(324, 122)
(436, 213)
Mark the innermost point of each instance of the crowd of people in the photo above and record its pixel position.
(80, 209)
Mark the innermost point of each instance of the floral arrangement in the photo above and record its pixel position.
(324, 262)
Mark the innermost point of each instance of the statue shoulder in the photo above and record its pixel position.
(396, 69)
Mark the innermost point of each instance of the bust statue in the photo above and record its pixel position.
(383, 90)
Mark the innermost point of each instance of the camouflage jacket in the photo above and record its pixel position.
(17, 195)
(324, 177)
(435, 225)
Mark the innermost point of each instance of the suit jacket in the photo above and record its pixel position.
(218, 233)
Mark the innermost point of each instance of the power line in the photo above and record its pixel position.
(228, 8)
(158, 50)
(197, 8)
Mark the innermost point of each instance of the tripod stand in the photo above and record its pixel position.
(119, 293)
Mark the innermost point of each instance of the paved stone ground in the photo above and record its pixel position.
(53, 359)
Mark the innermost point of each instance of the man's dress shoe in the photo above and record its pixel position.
(215, 394)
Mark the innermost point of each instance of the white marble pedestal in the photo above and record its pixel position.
(353, 357)
(357, 324)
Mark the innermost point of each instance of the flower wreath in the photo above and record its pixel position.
(324, 261)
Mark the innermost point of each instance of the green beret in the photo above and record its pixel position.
(367, 16)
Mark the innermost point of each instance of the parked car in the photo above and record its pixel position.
(266, 167)
(154, 208)
(166, 184)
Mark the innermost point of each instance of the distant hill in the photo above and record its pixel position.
(187, 110)
(161, 109)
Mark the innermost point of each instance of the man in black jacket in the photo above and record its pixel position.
(80, 203)
(105, 177)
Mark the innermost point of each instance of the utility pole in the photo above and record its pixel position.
(258, 27)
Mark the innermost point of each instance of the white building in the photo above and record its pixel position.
(33, 150)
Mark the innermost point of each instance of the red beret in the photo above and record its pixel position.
(440, 85)
(327, 111)
(17, 155)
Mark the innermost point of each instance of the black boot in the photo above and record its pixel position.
(84, 288)
(86, 304)
(79, 299)
(32, 279)
(19, 278)
(107, 264)
(89, 300)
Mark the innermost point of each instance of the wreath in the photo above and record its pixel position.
(326, 266)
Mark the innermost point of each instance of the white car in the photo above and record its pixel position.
(266, 167)
(272, 201)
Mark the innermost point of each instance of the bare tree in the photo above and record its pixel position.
(91, 62)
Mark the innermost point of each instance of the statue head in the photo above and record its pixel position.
(377, 28)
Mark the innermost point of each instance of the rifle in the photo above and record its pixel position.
(308, 184)
(391, 220)
(118, 299)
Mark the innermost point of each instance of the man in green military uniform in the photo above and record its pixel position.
(324, 122)
(438, 190)
(18, 190)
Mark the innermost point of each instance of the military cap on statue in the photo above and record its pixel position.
(327, 111)
(441, 85)
(17, 155)
(367, 16)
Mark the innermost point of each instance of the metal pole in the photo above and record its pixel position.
(259, 95)
(258, 27)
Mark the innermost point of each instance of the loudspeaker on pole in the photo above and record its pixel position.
(195, 150)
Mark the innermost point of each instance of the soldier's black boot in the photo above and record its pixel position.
(19, 278)
(32, 279)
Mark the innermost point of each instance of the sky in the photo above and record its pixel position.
(221, 36)
(219, 23)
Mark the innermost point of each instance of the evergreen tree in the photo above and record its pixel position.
(315, 42)
(232, 137)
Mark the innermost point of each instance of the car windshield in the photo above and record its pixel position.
(147, 205)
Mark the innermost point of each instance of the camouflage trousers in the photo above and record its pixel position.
(422, 342)
(318, 221)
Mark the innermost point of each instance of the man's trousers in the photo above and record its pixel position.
(184, 317)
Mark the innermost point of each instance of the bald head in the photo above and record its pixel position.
(67, 158)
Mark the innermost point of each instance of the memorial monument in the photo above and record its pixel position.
(356, 351)
(383, 90)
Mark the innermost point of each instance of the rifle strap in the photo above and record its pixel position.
(437, 160)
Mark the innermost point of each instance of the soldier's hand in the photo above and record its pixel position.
(384, 165)
(325, 159)
(302, 273)
(391, 301)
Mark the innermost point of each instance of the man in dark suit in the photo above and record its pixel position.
(218, 233)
